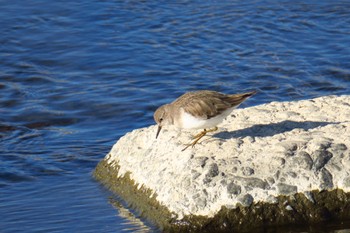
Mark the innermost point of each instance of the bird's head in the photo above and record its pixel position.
(161, 117)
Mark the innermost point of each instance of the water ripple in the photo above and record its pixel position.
(76, 76)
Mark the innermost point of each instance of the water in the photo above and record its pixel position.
(76, 76)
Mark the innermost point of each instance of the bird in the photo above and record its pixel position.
(203, 109)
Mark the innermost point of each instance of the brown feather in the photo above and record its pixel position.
(207, 104)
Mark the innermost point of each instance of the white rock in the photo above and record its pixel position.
(264, 151)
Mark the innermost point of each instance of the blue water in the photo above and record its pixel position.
(77, 75)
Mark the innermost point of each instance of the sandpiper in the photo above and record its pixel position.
(198, 110)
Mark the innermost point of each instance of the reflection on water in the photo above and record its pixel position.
(76, 76)
(134, 224)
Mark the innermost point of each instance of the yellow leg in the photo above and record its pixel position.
(197, 137)
(212, 130)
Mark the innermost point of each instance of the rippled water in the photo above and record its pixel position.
(76, 76)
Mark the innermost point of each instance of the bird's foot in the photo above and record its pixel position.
(197, 137)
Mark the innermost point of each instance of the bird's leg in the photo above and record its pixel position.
(197, 137)
(212, 130)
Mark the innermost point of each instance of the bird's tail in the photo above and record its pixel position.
(237, 99)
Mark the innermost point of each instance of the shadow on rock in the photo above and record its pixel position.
(267, 130)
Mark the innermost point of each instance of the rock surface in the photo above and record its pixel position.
(258, 154)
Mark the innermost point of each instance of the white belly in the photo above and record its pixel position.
(190, 122)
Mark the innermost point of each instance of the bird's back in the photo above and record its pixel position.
(208, 104)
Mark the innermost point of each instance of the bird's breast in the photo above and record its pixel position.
(188, 121)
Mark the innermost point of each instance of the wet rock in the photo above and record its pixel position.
(322, 157)
(247, 171)
(327, 179)
(291, 174)
(224, 182)
(276, 162)
(310, 197)
(292, 146)
(233, 188)
(286, 189)
(270, 180)
(207, 180)
(346, 182)
(288, 147)
(199, 161)
(346, 159)
(186, 182)
(303, 160)
(246, 200)
(195, 174)
(334, 168)
(339, 147)
(276, 176)
(323, 145)
(251, 183)
(200, 201)
(213, 170)
(272, 199)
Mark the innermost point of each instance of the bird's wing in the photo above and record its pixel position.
(205, 105)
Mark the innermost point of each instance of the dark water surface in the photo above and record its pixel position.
(77, 75)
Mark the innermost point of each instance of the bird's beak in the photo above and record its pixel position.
(158, 131)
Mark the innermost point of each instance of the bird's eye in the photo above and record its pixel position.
(160, 119)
